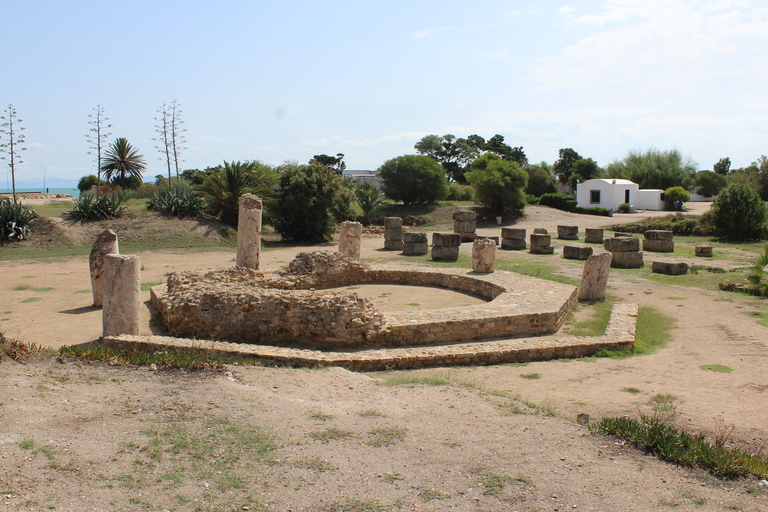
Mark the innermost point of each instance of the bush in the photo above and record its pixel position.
(531, 199)
(368, 199)
(678, 224)
(15, 220)
(498, 184)
(459, 192)
(146, 191)
(738, 212)
(413, 179)
(758, 273)
(313, 200)
(555, 200)
(86, 182)
(708, 183)
(624, 208)
(183, 204)
(674, 194)
(87, 208)
(593, 210)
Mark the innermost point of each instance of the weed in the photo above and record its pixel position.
(515, 365)
(634, 391)
(315, 464)
(719, 368)
(372, 413)
(676, 298)
(22, 287)
(356, 505)
(42, 290)
(386, 436)
(415, 304)
(494, 483)
(31, 299)
(27, 443)
(83, 291)
(412, 380)
(319, 416)
(531, 376)
(452, 444)
(428, 494)
(330, 434)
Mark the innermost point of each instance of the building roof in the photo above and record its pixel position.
(613, 181)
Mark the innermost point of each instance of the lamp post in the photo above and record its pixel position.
(41, 165)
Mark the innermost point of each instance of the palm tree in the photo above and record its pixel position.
(122, 160)
(368, 198)
(223, 188)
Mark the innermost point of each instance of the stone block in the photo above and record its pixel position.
(415, 238)
(540, 240)
(653, 245)
(441, 253)
(516, 245)
(571, 252)
(568, 232)
(703, 251)
(106, 243)
(658, 234)
(393, 222)
(540, 231)
(512, 234)
(415, 249)
(393, 234)
(539, 249)
(619, 233)
(249, 231)
(121, 313)
(483, 255)
(464, 226)
(627, 260)
(594, 278)
(464, 216)
(468, 237)
(350, 239)
(393, 245)
(671, 268)
(495, 239)
(622, 244)
(446, 239)
(593, 236)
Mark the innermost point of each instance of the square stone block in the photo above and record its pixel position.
(627, 259)
(703, 251)
(568, 232)
(393, 245)
(572, 252)
(446, 239)
(540, 231)
(393, 222)
(415, 249)
(445, 253)
(512, 234)
(415, 238)
(593, 236)
(622, 244)
(494, 238)
(538, 249)
(515, 245)
(658, 234)
(541, 240)
(654, 245)
(464, 216)
(672, 268)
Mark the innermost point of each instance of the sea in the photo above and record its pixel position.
(74, 192)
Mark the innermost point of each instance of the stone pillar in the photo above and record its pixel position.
(464, 223)
(249, 231)
(568, 232)
(593, 235)
(122, 295)
(106, 243)
(658, 240)
(445, 246)
(415, 244)
(350, 238)
(541, 244)
(513, 238)
(594, 279)
(393, 233)
(625, 250)
(483, 255)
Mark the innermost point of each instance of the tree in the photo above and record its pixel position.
(336, 163)
(413, 179)
(170, 138)
(122, 160)
(708, 183)
(87, 182)
(368, 198)
(540, 180)
(738, 212)
(674, 194)
(222, 189)
(313, 201)
(499, 184)
(722, 166)
(653, 168)
(12, 141)
(453, 154)
(98, 137)
(163, 139)
(566, 158)
(177, 138)
(497, 145)
(582, 170)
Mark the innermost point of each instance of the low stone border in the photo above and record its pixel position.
(619, 334)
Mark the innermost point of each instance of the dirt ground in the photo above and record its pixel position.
(88, 436)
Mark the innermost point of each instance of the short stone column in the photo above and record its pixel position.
(513, 238)
(703, 251)
(658, 240)
(672, 268)
(625, 250)
(393, 233)
(106, 243)
(541, 244)
(483, 255)
(249, 231)
(568, 232)
(122, 295)
(445, 246)
(594, 279)
(350, 239)
(415, 244)
(593, 235)
(572, 252)
(464, 223)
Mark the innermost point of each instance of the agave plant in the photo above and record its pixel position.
(758, 274)
(176, 203)
(89, 208)
(15, 220)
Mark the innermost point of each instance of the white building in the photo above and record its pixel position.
(610, 193)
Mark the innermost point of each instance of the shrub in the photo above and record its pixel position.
(678, 224)
(313, 200)
(413, 179)
(540, 181)
(531, 199)
(146, 191)
(498, 184)
(709, 183)
(593, 210)
(87, 208)
(624, 208)
(758, 273)
(459, 192)
(674, 194)
(368, 198)
(86, 182)
(555, 200)
(15, 220)
(183, 204)
(738, 212)
(222, 188)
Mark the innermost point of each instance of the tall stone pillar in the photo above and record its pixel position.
(393, 233)
(483, 255)
(106, 243)
(350, 238)
(122, 295)
(594, 279)
(249, 231)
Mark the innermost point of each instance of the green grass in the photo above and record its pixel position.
(31, 299)
(170, 359)
(330, 434)
(531, 376)
(653, 330)
(494, 483)
(415, 380)
(536, 268)
(429, 494)
(21, 287)
(595, 325)
(319, 416)
(146, 286)
(719, 368)
(386, 436)
(676, 298)
(634, 391)
(316, 464)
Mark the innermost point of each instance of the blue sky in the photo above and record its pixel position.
(280, 81)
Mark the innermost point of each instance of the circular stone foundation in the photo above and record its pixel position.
(297, 307)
